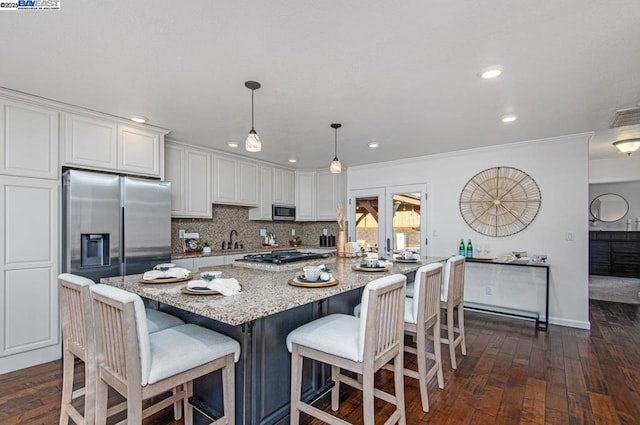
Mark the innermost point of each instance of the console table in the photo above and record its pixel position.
(540, 324)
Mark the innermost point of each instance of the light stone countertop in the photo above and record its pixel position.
(220, 252)
(263, 292)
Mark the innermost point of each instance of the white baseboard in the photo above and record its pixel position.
(30, 358)
(570, 323)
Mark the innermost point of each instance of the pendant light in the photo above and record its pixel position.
(253, 143)
(336, 167)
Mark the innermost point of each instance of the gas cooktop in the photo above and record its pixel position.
(282, 256)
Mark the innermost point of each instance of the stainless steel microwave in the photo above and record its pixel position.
(283, 212)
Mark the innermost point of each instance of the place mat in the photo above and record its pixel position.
(189, 291)
(402, 260)
(314, 284)
(167, 280)
(370, 269)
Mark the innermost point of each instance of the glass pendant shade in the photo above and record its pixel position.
(253, 144)
(628, 146)
(335, 167)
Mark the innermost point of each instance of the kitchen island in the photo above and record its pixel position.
(259, 318)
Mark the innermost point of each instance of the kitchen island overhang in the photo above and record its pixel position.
(260, 318)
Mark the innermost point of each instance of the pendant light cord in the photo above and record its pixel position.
(252, 90)
(336, 145)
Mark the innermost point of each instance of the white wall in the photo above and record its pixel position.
(560, 166)
(621, 169)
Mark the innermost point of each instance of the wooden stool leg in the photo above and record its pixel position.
(102, 390)
(367, 396)
(398, 377)
(421, 347)
(463, 344)
(177, 406)
(134, 407)
(67, 385)
(335, 391)
(229, 388)
(187, 408)
(452, 338)
(296, 385)
(437, 351)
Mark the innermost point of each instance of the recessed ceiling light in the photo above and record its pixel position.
(293, 160)
(374, 145)
(509, 118)
(232, 145)
(491, 72)
(139, 119)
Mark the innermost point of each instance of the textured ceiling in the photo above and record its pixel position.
(403, 74)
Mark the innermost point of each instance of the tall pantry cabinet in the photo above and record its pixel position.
(29, 230)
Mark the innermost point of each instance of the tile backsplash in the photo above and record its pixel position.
(227, 218)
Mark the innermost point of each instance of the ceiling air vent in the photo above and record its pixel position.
(626, 117)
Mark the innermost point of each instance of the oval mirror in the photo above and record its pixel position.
(609, 207)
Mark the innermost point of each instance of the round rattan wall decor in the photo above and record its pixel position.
(500, 201)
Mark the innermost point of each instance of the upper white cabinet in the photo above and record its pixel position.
(263, 210)
(317, 195)
(28, 140)
(139, 151)
(235, 181)
(29, 235)
(327, 194)
(97, 143)
(283, 187)
(305, 195)
(189, 171)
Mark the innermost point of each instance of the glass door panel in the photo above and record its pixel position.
(367, 224)
(406, 230)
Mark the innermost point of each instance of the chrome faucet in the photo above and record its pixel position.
(231, 245)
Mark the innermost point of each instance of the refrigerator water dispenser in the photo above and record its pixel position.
(95, 250)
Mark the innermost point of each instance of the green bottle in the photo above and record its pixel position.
(469, 250)
(461, 249)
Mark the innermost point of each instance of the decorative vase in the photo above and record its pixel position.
(342, 240)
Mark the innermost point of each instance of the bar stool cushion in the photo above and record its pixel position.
(184, 347)
(159, 320)
(336, 334)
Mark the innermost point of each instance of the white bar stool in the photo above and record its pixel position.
(453, 298)
(139, 365)
(78, 341)
(422, 313)
(361, 345)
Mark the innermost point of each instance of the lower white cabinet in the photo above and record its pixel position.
(29, 325)
(198, 263)
(189, 171)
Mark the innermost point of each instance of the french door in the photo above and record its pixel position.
(389, 220)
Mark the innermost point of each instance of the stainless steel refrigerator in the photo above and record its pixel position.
(114, 225)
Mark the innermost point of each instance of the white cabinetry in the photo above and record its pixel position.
(96, 143)
(235, 181)
(305, 195)
(263, 211)
(189, 171)
(29, 233)
(283, 187)
(327, 195)
(317, 195)
(139, 151)
(28, 140)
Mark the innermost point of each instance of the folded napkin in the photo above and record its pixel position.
(175, 272)
(226, 287)
(384, 263)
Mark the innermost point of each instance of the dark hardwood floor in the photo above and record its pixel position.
(511, 375)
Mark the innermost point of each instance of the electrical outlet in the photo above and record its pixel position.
(293, 232)
(487, 290)
(263, 232)
(181, 233)
(570, 236)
